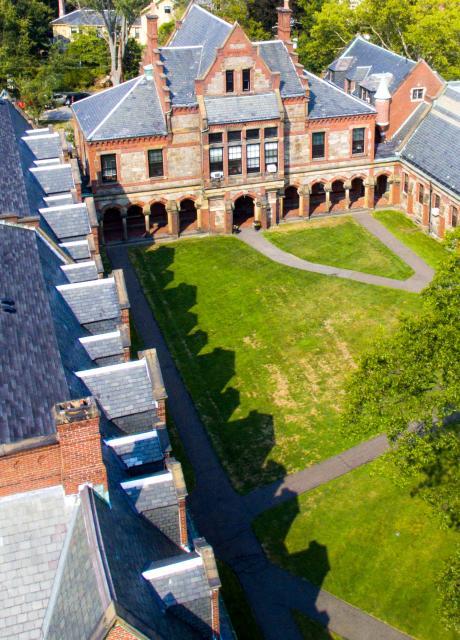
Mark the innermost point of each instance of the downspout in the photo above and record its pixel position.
(429, 208)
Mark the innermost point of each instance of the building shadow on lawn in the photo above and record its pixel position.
(243, 446)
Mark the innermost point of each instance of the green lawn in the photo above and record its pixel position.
(264, 349)
(368, 542)
(431, 250)
(339, 242)
(312, 630)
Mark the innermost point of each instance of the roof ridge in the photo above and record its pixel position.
(197, 6)
(112, 111)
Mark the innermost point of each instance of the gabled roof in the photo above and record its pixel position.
(129, 110)
(92, 301)
(199, 27)
(68, 221)
(362, 53)
(328, 101)
(434, 147)
(278, 59)
(84, 18)
(53, 179)
(228, 109)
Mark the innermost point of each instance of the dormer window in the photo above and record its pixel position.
(417, 94)
(246, 80)
(229, 81)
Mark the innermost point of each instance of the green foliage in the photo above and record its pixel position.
(132, 58)
(449, 590)
(81, 62)
(239, 11)
(165, 31)
(37, 92)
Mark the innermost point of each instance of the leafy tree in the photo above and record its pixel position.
(449, 590)
(132, 58)
(165, 31)
(118, 17)
(37, 92)
(238, 11)
(81, 62)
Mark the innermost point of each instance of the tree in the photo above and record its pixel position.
(165, 31)
(81, 62)
(132, 58)
(237, 11)
(118, 17)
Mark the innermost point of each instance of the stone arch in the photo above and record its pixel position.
(318, 198)
(240, 194)
(243, 210)
(291, 207)
(135, 221)
(338, 196)
(382, 185)
(158, 218)
(357, 193)
(112, 223)
(188, 215)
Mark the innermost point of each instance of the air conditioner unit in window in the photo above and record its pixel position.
(272, 168)
(217, 175)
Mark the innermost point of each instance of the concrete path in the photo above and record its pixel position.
(423, 274)
(222, 517)
(295, 484)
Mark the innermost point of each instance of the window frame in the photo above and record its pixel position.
(217, 140)
(420, 193)
(151, 164)
(236, 162)
(246, 77)
(213, 150)
(250, 134)
(353, 141)
(405, 183)
(255, 168)
(235, 133)
(104, 178)
(313, 146)
(267, 154)
(274, 130)
(416, 98)
(229, 81)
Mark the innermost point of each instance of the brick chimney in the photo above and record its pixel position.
(61, 4)
(152, 39)
(284, 22)
(77, 425)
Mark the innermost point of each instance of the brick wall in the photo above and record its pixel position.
(121, 633)
(30, 469)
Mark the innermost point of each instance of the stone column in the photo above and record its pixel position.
(281, 206)
(347, 186)
(425, 210)
(173, 218)
(124, 222)
(327, 190)
(257, 211)
(146, 212)
(263, 214)
(369, 187)
(410, 199)
(394, 197)
(304, 202)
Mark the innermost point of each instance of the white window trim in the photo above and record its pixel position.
(412, 99)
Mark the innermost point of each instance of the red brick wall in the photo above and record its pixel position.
(28, 470)
(401, 105)
(120, 633)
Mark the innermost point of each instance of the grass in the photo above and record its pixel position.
(368, 542)
(312, 630)
(339, 242)
(429, 249)
(264, 349)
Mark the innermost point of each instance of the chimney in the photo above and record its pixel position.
(77, 425)
(61, 4)
(284, 22)
(152, 39)
(382, 104)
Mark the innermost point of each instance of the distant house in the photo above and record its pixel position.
(67, 26)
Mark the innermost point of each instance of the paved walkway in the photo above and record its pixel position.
(423, 274)
(222, 517)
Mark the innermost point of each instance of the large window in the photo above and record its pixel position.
(229, 81)
(246, 79)
(155, 163)
(271, 156)
(421, 193)
(216, 159)
(253, 158)
(357, 145)
(317, 145)
(234, 160)
(109, 167)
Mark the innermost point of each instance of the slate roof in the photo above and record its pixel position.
(31, 375)
(434, 147)
(363, 53)
(278, 59)
(181, 66)
(121, 389)
(183, 580)
(68, 221)
(84, 18)
(92, 301)
(151, 493)
(77, 249)
(54, 179)
(199, 27)
(103, 345)
(130, 110)
(328, 101)
(138, 449)
(230, 109)
(81, 272)
(45, 146)
(33, 527)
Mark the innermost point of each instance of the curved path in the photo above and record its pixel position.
(423, 274)
(224, 519)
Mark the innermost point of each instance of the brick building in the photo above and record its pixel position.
(220, 131)
(95, 536)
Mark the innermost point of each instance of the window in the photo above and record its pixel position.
(417, 94)
(253, 158)
(234, 160)
(234, 136)
(454, 216)
(252, 134)
(421, 193)
(436, 201)
(137, 33)
(357, 145)
(317, 144)
(246, 79)
(155, 162)
(229, 81)
(167, 9)
(109, 167)
(405, 183)
(271, 132)
(216, 159)
(215, 137)
(271, 155)
(364, 94)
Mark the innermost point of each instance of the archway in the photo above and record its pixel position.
(317, 199)
(158, 219)
(243, 213)
(135, 221)
(381, 189)
(357, 193)
(291, 203)
(113, 226)
(188, 217)
(338, 196)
